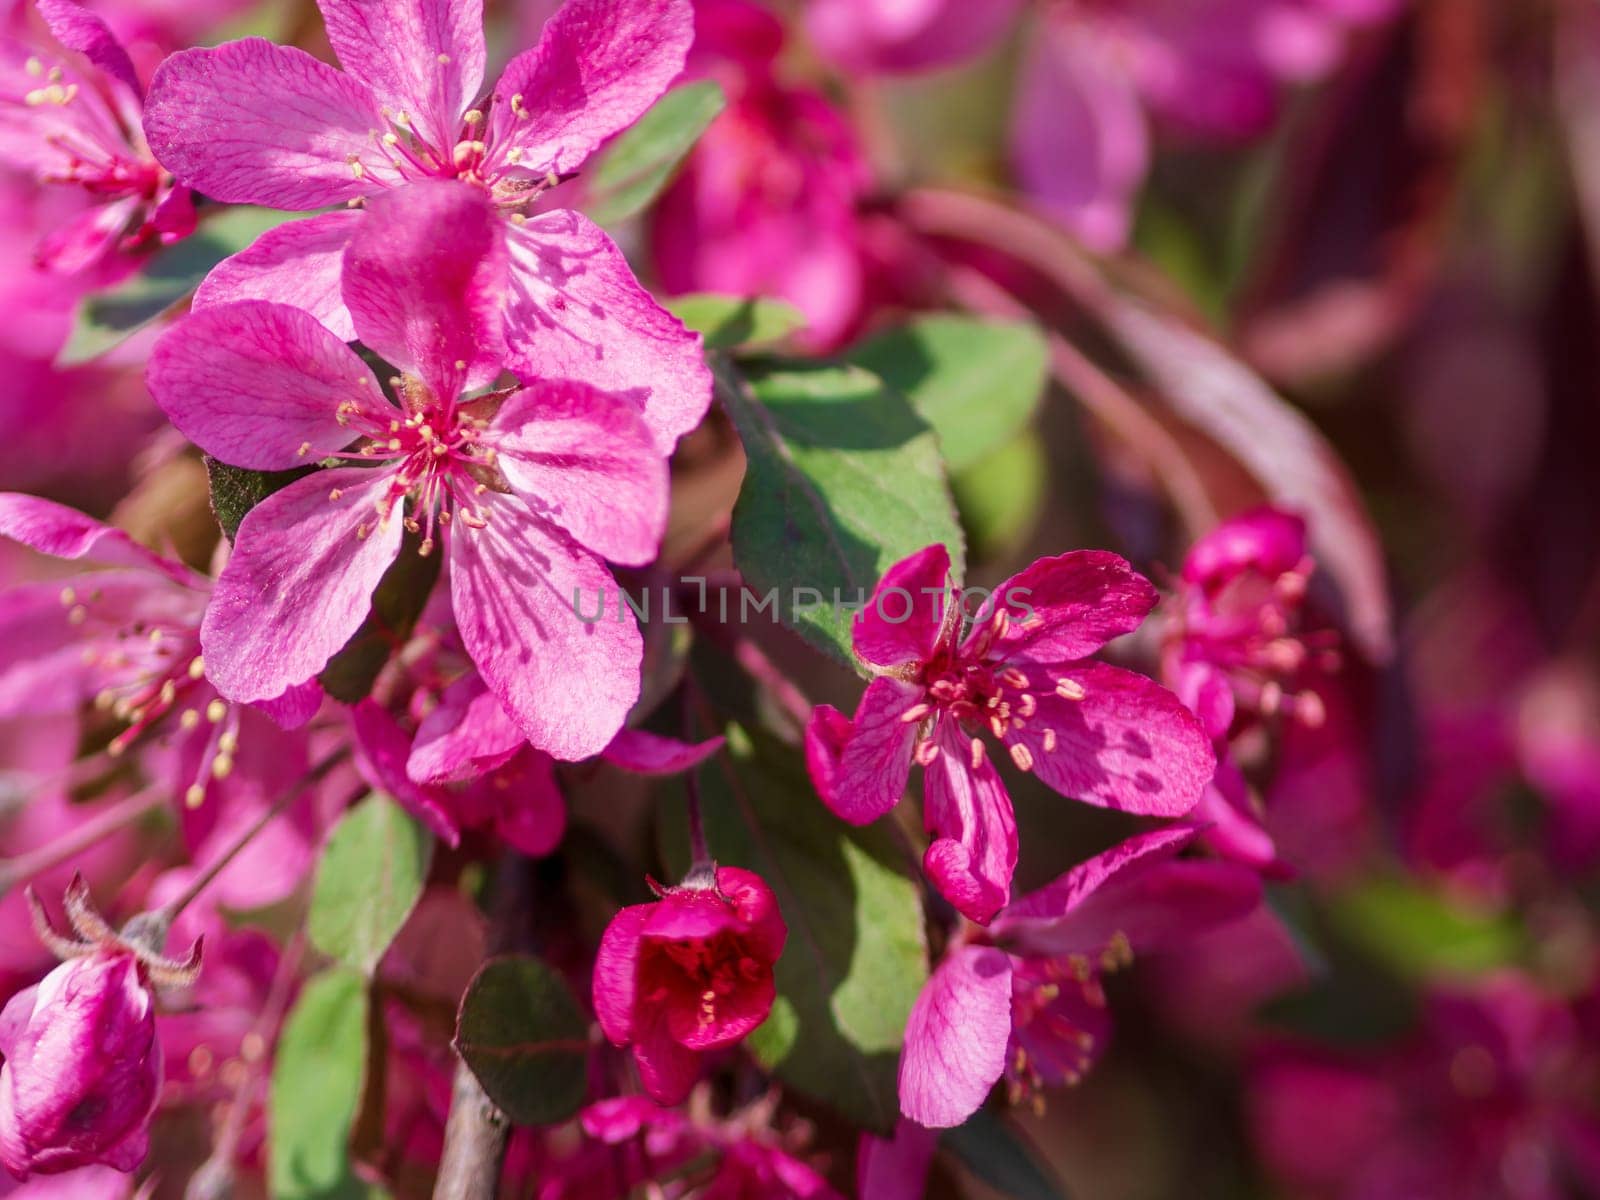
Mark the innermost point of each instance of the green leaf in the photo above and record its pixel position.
(1422, 934)
(397, 602)
(976, 382)
(997, 1153)
(317, 1075)
(637, 166)
(368, 881)
(106, 319)
(843, 481)
(855, 958)
(236, 490)
(1001, 495)
(526, 1040)
(737, 322)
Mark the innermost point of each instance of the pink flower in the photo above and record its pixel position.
(907, 35)
(74, 120)
(82, 1068)
(527, 490)
(1022, 672)
(1090, 73)
(1023, 998)
(251, 122)
(768, 204)
(687, 975)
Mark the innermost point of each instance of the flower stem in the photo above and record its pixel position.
(168, 913)
(95, 829)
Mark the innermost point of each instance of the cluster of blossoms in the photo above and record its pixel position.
(314, 694)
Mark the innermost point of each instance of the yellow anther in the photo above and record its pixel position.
(215, 711)
(356, 169)
(1022, 756)
(169, 692)
(304, 449)
(190, 719)
(444, 60)
(78, 615)
(472, 116)
(69, 596)
(978, 753)
(34, 67)
(1070, 689)
(195, 796)
(222, 766)
(228, 742)
(335, 493)
(197, 666)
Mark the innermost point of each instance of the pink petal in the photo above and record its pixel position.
(616, 967)
(424, 280)
(515, 585)
(968, 813)
(1128, 744)
(381, 751)
(575, 311)
(76, 28)
(902, 622)
(467, 733)
(250, 122)
(295, 707)
(585, 460)
(956, 1037)
(1079, 133)
(645, 753)
(667, 1069)
(420, 57)
(297, 264)
(876, 760)
(252, 383)
(893, 35)
(63, 532)
(83, 241)
(531, 813)
(1136, 890)
(1069, 606)
(895, 1169)
(827, 733)
(299, 582)
(599, 65)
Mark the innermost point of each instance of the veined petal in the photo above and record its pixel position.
(906, 615)
(1055, 900)
(299, 582)
(260, 385)
(297, 263)
(575, 311)
(599, 65)
(63, 532)
(585, 461)
(645, 753)
(250, 122)
(76, 28)
(1127, 744)
(1067, 607)
(568, 683)
(420, 57)
(956, 1037)
(876, 759)
(616, 968)
(968, 813)
(424, 280)
(468, 732)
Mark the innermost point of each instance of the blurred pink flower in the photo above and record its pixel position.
(74, 121)
(769, 202)
(82, 1069)
(1090, 731)
(1023, 998)
(907, 35)
(688, 974)
(577, 476)
(402, 113)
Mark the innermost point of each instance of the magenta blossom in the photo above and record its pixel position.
(527, 490)
(254, 123)
(1021, 672)
(82, 1068)
(769, 202)
(907, 35)
(687, 975)
(1023, 999)
(74, 120)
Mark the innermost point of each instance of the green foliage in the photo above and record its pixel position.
(856, 956)
(843, 481)
(737, 322)
(630, 174)
(104, 320)
(1000, 496)
(369, 879)
(1421, 934)
(526, 1040)
(317, 1075)
(976, 382)
(236, 490)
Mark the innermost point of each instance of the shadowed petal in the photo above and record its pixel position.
(297, 263)
(616, 968)
(968, 813)
(645, 753)
(250, 122)
(875, 761)
(956, 1037)
(76, 28)
(903, 621)
(1069, 606)
(575, 311)
(468, 732)
(259, 385)
(299, 583)
(63, 532)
